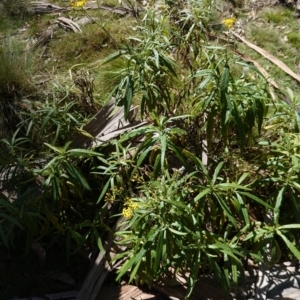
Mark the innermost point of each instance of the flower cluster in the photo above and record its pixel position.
(129, 207)
(229, 22)
(109, 197)
(77, 3)
(113, 193)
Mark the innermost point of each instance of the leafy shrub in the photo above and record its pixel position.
(190, 227)
(183, 213)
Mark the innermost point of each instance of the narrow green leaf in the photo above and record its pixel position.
(234, 273)
(194, 273)
(11, 220)
(99, 241)
(210, 127)
(82, 153)
(141, 156)
(239, 125)
(29, 127)
(176, 204)
(76, 173)
(137, 257)
(159, 250)
(55, 149)
(134, 271)
(297, 122)
(260, 201)
(226, 210)
(290, 245)
(278, 204)
(260, 114)
(176, 231)
(224, 82)
(202, 194)
(243, 208)
(76, 235)
(157, 166)
(113, 56)
(104, 190)
(220, 276)
(165, 61)
(217, 171)
(129, 88)
(55, 188)
(242, 178)
(156, 55)
(289, 226)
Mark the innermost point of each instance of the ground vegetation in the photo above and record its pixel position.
(207, 184)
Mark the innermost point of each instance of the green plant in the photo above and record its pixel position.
(56, 120)
(282, 192)
(284, 115)
(16, 66)
(160, 144)
(277, 15)
(48, 195)
(294, 39)
(17, 210)
(150, 73)
(187, 227)
(275, 234)
(182, 214)
(229, 100)
(14, 7)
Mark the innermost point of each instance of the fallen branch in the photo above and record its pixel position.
(108, 123)
(68, 23)
(269, 56)
(39, 7)
(259, 68)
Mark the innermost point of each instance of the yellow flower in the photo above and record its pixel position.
(127, 212)
(130, 206)
(77, 3)
(134, 206)
(229, 22)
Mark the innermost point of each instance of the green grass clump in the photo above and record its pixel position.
(16, 68)
(263, 36)
(294, 39)
(14, 8)
(277, 15)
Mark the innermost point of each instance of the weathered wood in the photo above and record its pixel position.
(44, 38)
(121, 10)
(125, 292)
(41, 7)
(101, 268)
(68, 23)
(203, 290)
(71, 295)
(108, 123)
